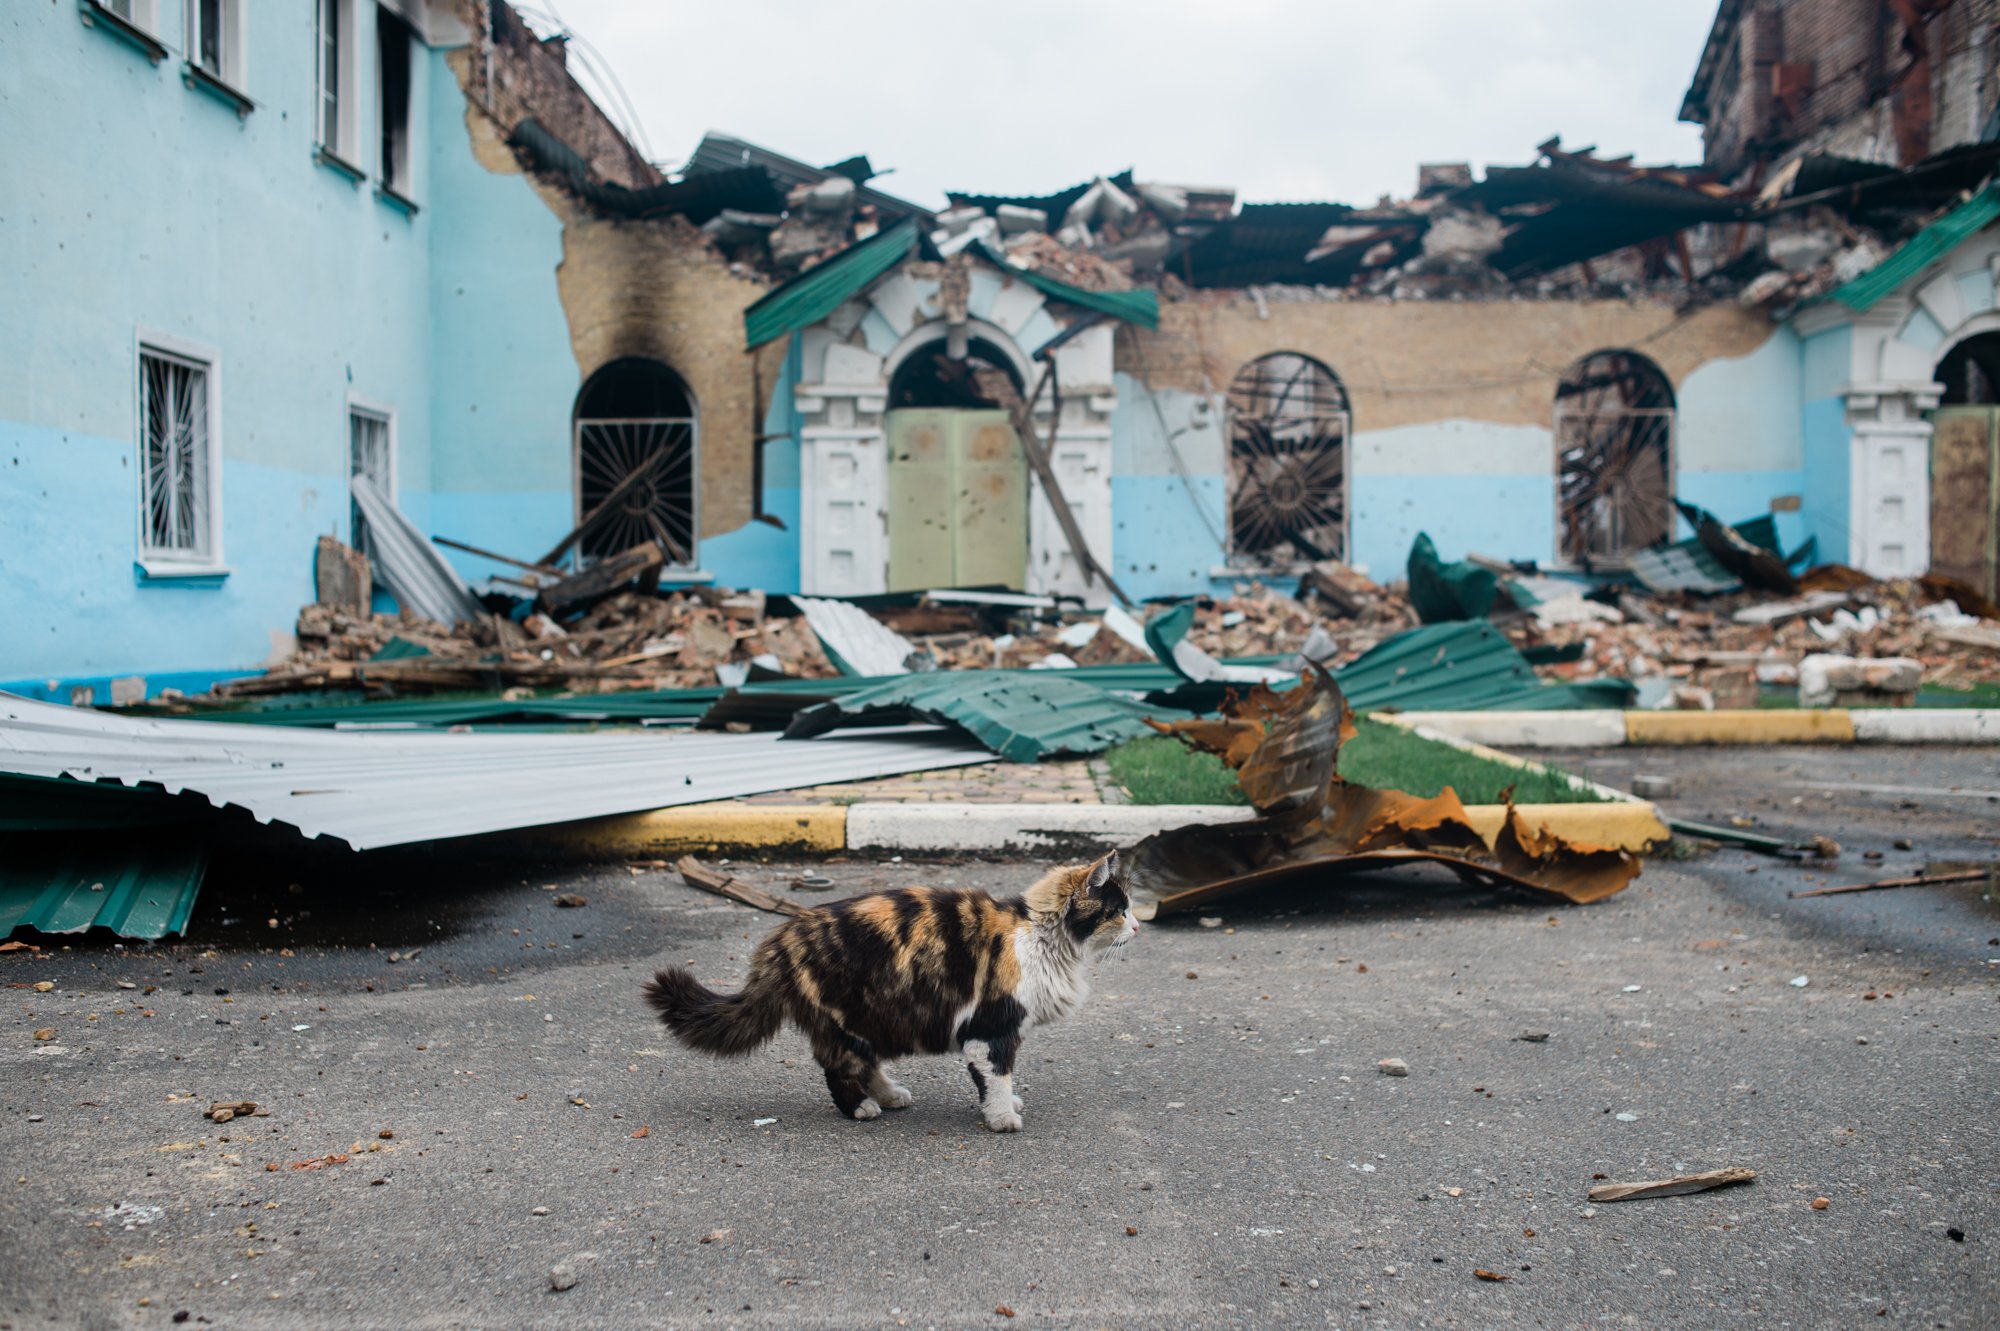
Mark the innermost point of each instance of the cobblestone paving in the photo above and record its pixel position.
(1080, 781)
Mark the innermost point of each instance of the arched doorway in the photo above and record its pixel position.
(1288, 428)
(1614, 427)
(1965, 465)
(638, 445)
(957, 479)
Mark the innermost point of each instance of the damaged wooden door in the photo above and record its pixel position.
(1965, 496)
(958, 500)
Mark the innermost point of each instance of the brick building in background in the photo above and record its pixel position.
(1886, 81)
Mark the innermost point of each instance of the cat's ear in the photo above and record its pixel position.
(1103, 871)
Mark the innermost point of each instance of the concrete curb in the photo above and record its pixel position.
(1609, 729)
(986, 828)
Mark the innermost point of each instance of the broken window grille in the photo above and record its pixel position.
(1288, 428)
(176, 491)
(1614, 425)
(368, 454)
(636, 415)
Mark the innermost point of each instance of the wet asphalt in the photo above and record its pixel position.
(1208, 1144)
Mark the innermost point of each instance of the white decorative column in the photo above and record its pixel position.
(843, 476)
(1889, 477)
(1081, 461)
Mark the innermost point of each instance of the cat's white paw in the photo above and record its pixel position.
(896, 1096)
(1017, 1103)
(868, 1109)
(1004, 1120)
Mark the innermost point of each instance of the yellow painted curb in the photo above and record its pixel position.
(1632, 825)
(692, 827)
(1786, 727)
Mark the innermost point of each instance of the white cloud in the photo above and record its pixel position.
(1283, 99)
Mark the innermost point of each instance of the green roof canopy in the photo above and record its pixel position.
(1923, 249)
(821, 290)
(1134, 307)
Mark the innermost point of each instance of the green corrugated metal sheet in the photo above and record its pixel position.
(57, 877)
(1463, 666)
(1134, 307)
(820, 290)
(1922, 250)
(1024, 716)
(138, 885)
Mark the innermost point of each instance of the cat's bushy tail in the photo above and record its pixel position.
(726, 1025)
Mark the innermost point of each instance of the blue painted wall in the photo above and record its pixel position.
(137, 206)
(1828, 443)
(758, 554)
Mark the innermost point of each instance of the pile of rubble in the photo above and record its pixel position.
(1717, 652)
(630, 640)
(1337, 615)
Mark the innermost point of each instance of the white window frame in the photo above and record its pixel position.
(171, 563)
(341, 140)
(145, 15)
(234, 64)
(372, 410)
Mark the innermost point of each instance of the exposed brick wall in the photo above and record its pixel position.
(658, 289)
(515, 76)
(1849, 54)
(1405, 363)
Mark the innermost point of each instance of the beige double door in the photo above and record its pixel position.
(1965, 496)
(958, 500)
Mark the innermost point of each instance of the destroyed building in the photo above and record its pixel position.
(790, 378)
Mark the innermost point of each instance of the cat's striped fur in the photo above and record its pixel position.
(920, 970)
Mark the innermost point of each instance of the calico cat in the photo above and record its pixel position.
(920, 970)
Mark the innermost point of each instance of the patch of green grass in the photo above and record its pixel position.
(1159, 770)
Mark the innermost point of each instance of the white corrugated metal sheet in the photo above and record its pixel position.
(421, 579)
(385, 789)
(865, 643)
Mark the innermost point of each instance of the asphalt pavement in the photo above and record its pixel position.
(1210, 1143)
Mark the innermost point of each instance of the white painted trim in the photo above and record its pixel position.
(1987, 321)
(347, 138)
(170, 561)
(1584, 729)
(1926, 725)
(937, 330)
(994, 827)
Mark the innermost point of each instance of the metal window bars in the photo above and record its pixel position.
(663, 505)
(1614, 428)
(1288, 428)
(175, 482)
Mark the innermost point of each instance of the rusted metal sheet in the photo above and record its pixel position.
(1312, 822)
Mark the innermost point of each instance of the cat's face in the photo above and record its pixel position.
(1100, 910)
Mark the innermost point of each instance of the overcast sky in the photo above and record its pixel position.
(1283, 99)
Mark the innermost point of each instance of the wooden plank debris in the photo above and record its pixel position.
(1676, 1186)
(1918, 880)
(697, 874)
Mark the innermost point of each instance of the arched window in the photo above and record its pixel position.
(1970, 372)
(1614, 457)
(1288, 426)
(637, 445)
(931, 377)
